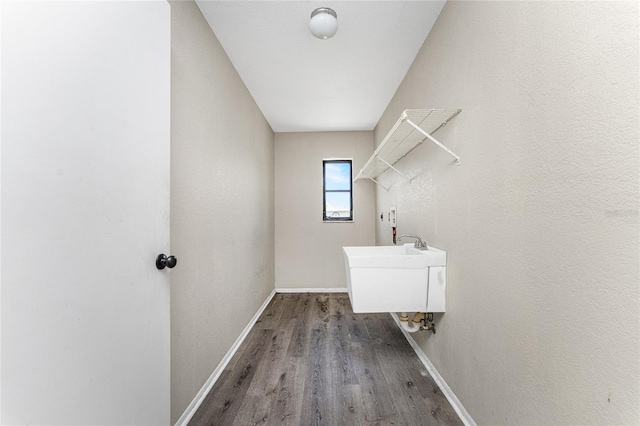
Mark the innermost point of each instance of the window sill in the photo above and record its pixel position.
(337, 221)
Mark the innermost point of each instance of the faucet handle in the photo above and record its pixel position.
(419, 244)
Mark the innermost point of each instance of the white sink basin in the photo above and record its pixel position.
(405, 256)
(396, 278)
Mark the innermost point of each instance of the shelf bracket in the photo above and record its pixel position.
(378, 183)
(394, 169)
(418, 128)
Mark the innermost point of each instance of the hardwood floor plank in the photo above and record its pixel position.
(221, 406)
(342, 361)
(409, 362)
(298, 346)
(295, 305)
(390, 344)
(339, 304)
(268, 370)
(270, 379)
(411, 405)
(316, 408)
(356, 328)
(271, 315)
(376, 397)
(319, 310)
(348, 406)
(288, 404)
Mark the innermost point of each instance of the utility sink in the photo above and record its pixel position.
(396, 278)
(404, 256)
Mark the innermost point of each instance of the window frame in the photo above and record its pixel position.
(330, 219)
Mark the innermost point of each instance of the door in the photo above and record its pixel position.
(84, 212)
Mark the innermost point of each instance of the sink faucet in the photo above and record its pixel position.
(419, 244)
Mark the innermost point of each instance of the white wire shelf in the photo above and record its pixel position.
(412, 128)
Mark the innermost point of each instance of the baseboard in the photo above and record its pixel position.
(444, 387)
(312, 290)
(195, 404)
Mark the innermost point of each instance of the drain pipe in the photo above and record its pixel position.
(418, 322)
(414, 326)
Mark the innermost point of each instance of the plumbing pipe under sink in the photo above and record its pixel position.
(414, 325)
(420, 321)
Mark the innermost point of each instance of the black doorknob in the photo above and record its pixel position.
(163, 261)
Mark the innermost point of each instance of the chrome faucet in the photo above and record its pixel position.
(419, 244)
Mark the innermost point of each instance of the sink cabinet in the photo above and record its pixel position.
(396, 279)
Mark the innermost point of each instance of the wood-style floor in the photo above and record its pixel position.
(309, 360)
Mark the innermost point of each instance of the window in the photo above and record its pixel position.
(338, 199)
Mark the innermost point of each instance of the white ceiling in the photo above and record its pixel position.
(305, 84)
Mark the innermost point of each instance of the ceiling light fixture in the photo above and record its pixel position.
(324, 23)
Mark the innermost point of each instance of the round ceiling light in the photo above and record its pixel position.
(324, 23)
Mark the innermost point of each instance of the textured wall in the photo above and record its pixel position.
(540, 221)
(308, 250)
(221, 205)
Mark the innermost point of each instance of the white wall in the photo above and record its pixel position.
(221, 205)
(540, 221)
(308, 250)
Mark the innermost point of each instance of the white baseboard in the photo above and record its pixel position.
(312, 290)
(195, 404)
(444, 387)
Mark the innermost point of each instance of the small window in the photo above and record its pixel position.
(337, 199)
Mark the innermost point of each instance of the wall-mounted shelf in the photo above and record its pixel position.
(412, 128)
